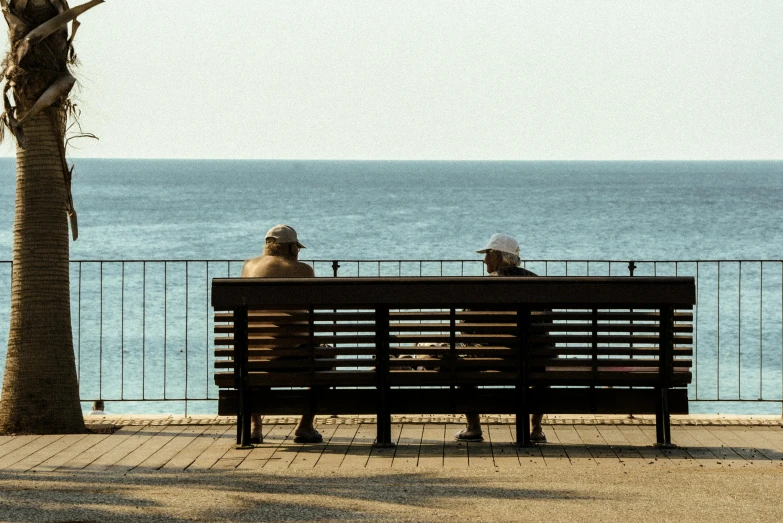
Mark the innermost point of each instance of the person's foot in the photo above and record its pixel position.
(256, 440)
(308, 436)
(471, 435)
(537, 435)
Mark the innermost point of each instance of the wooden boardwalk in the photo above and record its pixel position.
(347, 445)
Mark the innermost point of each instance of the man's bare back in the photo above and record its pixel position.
(266, 266)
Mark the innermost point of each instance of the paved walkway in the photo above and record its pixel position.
(177, 469)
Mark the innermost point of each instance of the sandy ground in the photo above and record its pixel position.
(651, 492)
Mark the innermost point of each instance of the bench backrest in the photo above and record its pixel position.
(457, 330)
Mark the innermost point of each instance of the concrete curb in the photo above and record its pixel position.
(690, 420)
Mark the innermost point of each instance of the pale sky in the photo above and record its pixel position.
(482, 80)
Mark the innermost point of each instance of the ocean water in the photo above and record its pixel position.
(142, 330)
(152, 209)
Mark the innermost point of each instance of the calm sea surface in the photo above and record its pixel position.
(198, 210)
(152, 209)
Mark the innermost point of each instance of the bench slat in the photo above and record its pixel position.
(604, 377)
(608, 351)
(605, 363)
(577, 338)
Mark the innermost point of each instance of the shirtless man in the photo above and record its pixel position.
(501, 256)
(280, 260)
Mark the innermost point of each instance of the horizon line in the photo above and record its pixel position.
(417, 159)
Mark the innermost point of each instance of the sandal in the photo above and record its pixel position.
(461, 436)
(538, 437)
(309, 438)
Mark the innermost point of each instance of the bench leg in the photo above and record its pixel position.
(383, 435)
(663, 420)
(523, 429)
(243, 421)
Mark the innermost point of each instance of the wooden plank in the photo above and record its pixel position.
(577, 350)
(480, 453)
(727, 438)
(774, 438)
(382, 457)
(601, 327)
(431, 447)
(756, 445)
(724, 455)
(674, 456)
(103, 446)
(185, 457)
(422, 292)
(67, 454)
(284, 454)
(359, 452)
(504, 449)
(227, 463)
(216, 450)
(582, 315)
(554, 452)
(626, 453)
(310, 454)
(274, 435)
(407, 454)
(337, 446)
(16, 443)
(162, 448)
(455, 453)
(602, 452)
(699, 455)
(235, 457)
(38, 457)
(578, 453)
(26, 450)
(643, 444)
(439, 314)
(126, 447)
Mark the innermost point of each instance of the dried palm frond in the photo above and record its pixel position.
(36, 72)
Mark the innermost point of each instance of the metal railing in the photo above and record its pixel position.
(142, 328)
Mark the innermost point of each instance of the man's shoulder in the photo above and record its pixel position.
(302, 269)
(275, 267)
(515, 271)
(251, 267)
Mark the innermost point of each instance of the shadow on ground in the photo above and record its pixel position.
(220, 496)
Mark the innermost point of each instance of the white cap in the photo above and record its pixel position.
(502, 242)
(284, 234)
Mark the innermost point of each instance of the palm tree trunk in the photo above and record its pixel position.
(40, 389)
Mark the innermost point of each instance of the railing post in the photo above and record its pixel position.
(631, 267)
(335, 267)
(241, 378)
(383, 438)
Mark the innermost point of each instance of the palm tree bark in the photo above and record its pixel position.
(40, 393)
(40, 387)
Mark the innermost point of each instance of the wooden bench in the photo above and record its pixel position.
(512, 345)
